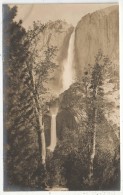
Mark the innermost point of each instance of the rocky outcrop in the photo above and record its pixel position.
(99, 30)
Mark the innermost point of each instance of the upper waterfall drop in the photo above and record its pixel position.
(68, 71)
(67, 80)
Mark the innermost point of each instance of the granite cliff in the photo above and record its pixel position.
(99, 30)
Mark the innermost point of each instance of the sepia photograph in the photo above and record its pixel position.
(61, 111)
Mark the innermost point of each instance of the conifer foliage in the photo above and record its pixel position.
(23, 108)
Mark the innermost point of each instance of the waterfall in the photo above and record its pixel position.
(53, 139)
(67, 80)
(53, 133)
(68, 72)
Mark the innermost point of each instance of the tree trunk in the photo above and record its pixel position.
(41, 134)
(93, 151)
(43, 152)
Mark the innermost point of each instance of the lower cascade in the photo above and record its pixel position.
(53, 133)
(53, 139)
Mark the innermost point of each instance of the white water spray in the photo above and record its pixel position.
(68, 72)
(67, 79)
(53, 133)
(53, 139)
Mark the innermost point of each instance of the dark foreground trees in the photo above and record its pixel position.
(24, 141)
(20, 136)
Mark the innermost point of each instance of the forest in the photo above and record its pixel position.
(86, 155)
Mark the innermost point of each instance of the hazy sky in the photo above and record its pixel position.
(72, 13)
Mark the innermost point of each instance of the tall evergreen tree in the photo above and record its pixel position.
(20, 141)
(23, 123)
(95, 110)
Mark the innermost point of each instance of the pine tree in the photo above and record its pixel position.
(20, 142)
(23, 108)
(95, 108)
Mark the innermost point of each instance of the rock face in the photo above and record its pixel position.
(99, 30)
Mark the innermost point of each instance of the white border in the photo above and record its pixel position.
(121, 86)
(121, 95)
(59, 1)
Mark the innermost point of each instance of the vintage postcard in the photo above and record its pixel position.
(61, 97)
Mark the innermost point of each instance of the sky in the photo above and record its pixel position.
(72, 13)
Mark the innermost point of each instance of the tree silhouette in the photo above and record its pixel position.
(23, 106)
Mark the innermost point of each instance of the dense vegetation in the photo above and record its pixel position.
(87, 155)
(23, 107)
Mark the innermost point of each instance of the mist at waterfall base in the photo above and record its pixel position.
(67, 80)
